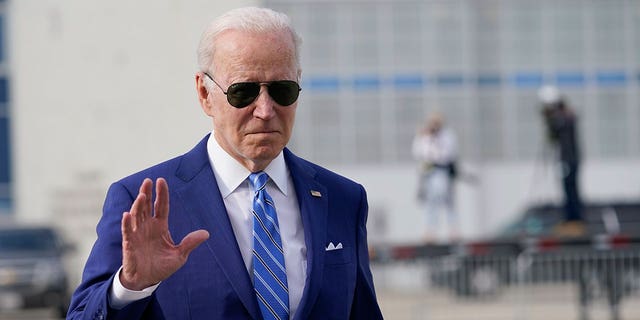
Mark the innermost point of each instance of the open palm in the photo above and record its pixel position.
(149, 254)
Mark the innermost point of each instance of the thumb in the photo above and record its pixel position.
(192, 240)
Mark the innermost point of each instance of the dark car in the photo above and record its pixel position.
(32, 273)
(610, 217)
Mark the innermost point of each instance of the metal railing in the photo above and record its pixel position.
(540, 279)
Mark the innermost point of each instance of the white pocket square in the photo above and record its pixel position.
(332, 247)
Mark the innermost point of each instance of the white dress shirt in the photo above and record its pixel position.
(236, 193)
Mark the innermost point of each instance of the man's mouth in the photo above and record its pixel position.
(263, 132)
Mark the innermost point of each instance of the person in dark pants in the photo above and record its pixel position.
(561, 123)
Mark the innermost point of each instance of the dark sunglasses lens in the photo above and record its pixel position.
(242, 94)
(284, 92)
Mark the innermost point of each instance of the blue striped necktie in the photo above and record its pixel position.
(269, 276)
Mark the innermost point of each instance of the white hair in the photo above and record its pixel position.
(252, 19)
(549, 94)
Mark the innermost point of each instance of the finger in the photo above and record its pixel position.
(146, 188)
(126, 226)
(192, 240)
(127, 249)
(137, 211)
(127, 234)
(161, 205)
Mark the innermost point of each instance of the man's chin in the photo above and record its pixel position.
(265, 151)
(266, 154)
(266, 148)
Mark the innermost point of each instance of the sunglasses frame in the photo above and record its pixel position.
(267, 83)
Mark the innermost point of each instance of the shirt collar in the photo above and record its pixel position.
(230, 173)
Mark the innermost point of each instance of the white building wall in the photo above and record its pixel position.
(100, 89)
(101, 86)
(492, 196)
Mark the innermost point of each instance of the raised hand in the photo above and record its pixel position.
(149, 255)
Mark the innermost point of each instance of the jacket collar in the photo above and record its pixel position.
(201, 197)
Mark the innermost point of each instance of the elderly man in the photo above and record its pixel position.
(276, 237)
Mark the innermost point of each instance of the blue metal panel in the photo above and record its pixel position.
(450, 80)
(488, 79)
(409, 81)
(527, 79)
(322, 83)
(4, 90)
(571, 79)
(366, 82)
(5, 159)
(611, 78)
(5, 206)
(2, 38)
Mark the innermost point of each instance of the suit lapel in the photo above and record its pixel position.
(201, 198)
(314, 204)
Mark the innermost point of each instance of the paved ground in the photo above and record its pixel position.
(406, 305)
(547, 303)
(401, 302)
(39, 314)
(525, 303)
(405, 293)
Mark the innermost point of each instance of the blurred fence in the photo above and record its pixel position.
(543, 282)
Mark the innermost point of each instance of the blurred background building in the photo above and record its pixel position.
(5, 143)
(91, 91)
(374, 70)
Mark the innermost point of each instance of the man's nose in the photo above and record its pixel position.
(265, 106)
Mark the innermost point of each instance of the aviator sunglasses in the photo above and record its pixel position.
(242, 94)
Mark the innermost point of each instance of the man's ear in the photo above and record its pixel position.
(203, 94)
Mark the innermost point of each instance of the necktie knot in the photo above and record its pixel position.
(258, 180)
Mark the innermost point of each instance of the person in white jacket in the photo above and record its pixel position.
(435, 147)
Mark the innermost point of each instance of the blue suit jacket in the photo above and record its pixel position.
(214, 283)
